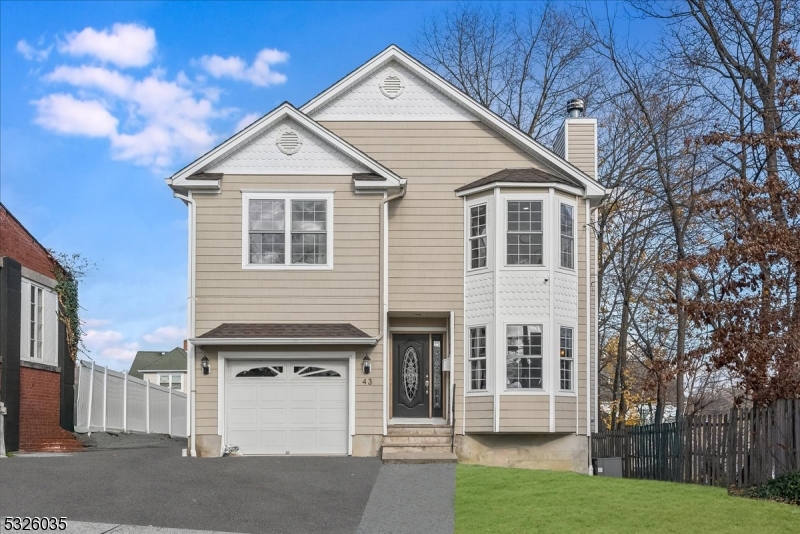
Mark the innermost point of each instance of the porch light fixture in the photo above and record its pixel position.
(205, 365)
(366, 365)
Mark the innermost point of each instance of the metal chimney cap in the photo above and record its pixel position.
(575, 107)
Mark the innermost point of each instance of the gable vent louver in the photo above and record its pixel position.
(392, 86)
(289, 142)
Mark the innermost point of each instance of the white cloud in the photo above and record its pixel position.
(125, 45)
(85, 76)
(260, 73)
(165, 334)
(109, 344)
(32, 53)
(62, 113)
(247, 120)
(161, 119)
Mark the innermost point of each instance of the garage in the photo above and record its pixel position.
(287, 406)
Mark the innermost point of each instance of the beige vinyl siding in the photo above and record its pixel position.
(565, 414)
(426, 228)
(581, 146)
(524, 413)
(480, 414)
(347, 293)
(205, 407)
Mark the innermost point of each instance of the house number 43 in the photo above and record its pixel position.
(367, 381)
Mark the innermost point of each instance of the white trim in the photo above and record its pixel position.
(588, 298)
(525, 185)
(497, 220)
(596, 331)
(222, 374)
(415, 329)
(287, 199)
(385, 313)
(229, 341)
(182, 178)
(554, 246)
(451, 347)
(394, 53)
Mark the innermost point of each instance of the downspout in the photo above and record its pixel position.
(383, 268)
(190, 322)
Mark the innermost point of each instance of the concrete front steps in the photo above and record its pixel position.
(418, 444)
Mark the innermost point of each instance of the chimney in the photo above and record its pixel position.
(576, 141)
(186, 344)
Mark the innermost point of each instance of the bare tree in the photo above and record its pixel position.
(522, 65)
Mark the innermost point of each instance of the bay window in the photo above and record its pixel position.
(566, 358)
(524, 232)
(477, 358)
(567, 236)
(477, 237)
(524, 356)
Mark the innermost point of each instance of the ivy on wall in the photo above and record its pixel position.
(68, 271)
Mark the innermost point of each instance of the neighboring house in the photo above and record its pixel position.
(388, 260)
(167, 369)
(36, 373)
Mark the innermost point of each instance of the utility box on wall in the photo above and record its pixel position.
(608, 467)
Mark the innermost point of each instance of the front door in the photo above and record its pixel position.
(410, 379)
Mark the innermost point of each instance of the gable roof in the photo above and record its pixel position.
(520, 176)
(592, 187)
(154, 360)
(194, 176)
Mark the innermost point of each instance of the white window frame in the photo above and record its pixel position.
(170, 377)
(472, 359)
(502, 229)
(287, 197)
(571, 359)
(574, 209)
(471, 238)
(46, 345)
(35, 302)
(545, 367)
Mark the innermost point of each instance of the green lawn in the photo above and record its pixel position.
(494, 499)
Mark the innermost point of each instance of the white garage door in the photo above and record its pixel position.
(287, 407)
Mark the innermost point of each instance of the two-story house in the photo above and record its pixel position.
(394, 269)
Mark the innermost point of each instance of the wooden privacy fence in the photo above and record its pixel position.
(741, 448)
(110, 400)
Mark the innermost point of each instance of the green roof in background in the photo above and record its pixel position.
(150, 360)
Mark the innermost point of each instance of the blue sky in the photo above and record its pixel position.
(100, 101)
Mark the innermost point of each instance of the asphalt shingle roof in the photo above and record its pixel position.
(153, 360)
(522, 176)
(289, 330)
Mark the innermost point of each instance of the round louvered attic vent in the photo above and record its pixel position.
(392, 86)
(289, 142)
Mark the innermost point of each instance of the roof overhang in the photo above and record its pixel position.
(250, 341)
(194, 177)
(594, 190)
(527, 185)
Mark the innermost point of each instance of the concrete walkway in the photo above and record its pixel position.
(409, 498)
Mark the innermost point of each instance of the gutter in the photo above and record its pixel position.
(191, 385)
(383, 285)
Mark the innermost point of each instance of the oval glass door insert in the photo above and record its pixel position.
(410, 374)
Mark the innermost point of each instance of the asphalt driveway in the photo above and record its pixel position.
(156, 486)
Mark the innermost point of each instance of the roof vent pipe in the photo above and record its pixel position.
(575, 108)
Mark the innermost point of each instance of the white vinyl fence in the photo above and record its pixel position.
(110, 400)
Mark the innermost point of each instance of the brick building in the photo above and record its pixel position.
(36, 372)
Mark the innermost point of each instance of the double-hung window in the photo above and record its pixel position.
(477, 358)
(566, 358)
(524, 232)
(36, 322)
(477, 237)
(567, 236)
(524, 356)
(288, 230)
(170, 381)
